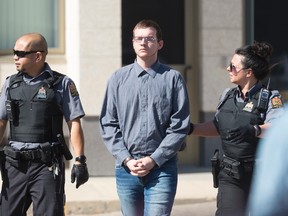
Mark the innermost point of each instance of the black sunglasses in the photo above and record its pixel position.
(22, 54)
(233, 66)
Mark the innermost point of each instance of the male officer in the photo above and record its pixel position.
(34, 102)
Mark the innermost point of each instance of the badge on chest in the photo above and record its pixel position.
(248, 107)
(42, 94)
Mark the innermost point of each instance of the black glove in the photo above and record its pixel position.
(241, 133)
(191, 129)
(80, 173)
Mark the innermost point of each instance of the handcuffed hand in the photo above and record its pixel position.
(241, 133)
(80, 173)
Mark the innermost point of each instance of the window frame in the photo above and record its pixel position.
(61, 34)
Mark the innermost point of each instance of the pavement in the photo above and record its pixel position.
(99, 196)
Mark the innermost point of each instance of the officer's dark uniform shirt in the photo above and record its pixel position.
(234, 111)
(67, 99)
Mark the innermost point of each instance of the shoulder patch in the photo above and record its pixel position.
(276, 102)
(73, 90)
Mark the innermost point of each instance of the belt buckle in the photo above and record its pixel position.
(26, 155)
(29, 155)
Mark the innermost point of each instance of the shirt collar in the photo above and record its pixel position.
(47, 72)
(251, 91)
(151, 71)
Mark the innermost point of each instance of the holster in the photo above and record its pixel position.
(215, 162)
(47, 154)
(232, 167)
(65, 150)
(2, 159)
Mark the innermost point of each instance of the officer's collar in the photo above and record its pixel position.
(46, 70)
(252, 91)
(45, 74)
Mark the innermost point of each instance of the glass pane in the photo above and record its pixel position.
(271, 26)
(20, 17)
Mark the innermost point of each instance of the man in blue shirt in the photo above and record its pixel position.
(144, 121)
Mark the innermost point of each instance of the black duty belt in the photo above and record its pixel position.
(33, 154)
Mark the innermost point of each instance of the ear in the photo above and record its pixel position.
(38, 57)
(249, 72)
(160, 44)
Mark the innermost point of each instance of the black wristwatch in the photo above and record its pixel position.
(82, 159)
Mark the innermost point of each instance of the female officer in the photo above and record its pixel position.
(240, 121)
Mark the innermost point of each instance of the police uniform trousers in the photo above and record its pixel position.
(233, 193)
(32, 182)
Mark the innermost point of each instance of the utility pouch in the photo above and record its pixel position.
(46, 153)
(10, 109)
(232, 167)
(13, 162)
(10, 152)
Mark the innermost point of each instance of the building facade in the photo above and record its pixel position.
(92, 39)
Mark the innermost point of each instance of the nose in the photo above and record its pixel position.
(228, 69)
(15, 57)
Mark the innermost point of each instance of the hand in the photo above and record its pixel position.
(241, 133)
(141, 167)
(80, 173)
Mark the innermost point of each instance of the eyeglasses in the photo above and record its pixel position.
(22, 54)
(232, 67)
(146, 39)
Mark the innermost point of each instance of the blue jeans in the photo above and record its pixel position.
(151, 195)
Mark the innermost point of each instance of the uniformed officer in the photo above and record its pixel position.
(34, 102)
(242, 116)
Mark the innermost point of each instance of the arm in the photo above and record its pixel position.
(205, 129)
(178, 126)
(110, 126)
(76, 136)
(79, 170)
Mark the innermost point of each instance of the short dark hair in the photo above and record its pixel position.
(146, 23)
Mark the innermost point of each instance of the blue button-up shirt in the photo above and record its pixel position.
(145, 113)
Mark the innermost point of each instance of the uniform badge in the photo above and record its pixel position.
(276, 102)
(248, 107)
(42, 93)
(73, 90)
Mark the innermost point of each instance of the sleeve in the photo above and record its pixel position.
(179, 125)
(275, 107)
(71, 103)
(109, 124)
(3, 98)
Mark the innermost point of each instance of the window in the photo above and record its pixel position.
(20, 17)
(270, 24)
(169, 14)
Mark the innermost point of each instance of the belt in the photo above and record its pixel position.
(33, 154)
